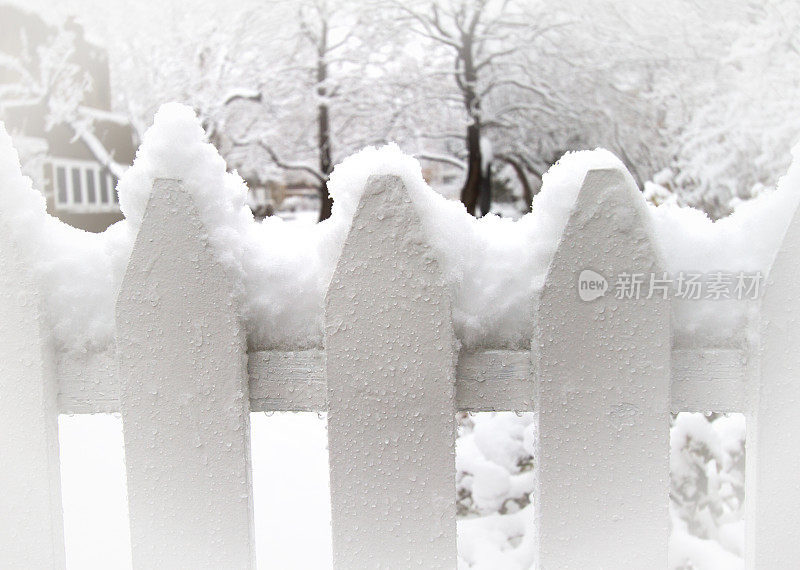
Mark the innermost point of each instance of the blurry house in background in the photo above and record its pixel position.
(298, 197)
(55, 100)
(289, 194)
(445, 178)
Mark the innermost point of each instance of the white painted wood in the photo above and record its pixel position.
(709, 380)
(486, 380)
(184, 396)
(773, 426)
(31, 533)
(494, 380)
(288, 381)
(390, 352)
(294, 381)
(603, 380)
(88, 382)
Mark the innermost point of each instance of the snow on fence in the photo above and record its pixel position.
(603, 376)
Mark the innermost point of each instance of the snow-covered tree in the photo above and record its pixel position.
(719, 99)
(335, 93)
(738, 140)
(42, 72)
(697, 97)
(480, 42)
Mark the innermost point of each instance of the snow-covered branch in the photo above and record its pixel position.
(83, 131)
(287, 165)
(442, 158)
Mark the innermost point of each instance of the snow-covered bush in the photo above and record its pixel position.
(707, 462)
(495, 485)
(494, 462)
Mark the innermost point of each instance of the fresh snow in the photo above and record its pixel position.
(493, 266)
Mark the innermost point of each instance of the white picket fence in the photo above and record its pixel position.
(603, 377)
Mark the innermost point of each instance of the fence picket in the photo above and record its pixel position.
(391, 392)
(32, 535)
(184, 396)
(603, 375)
(773, 425)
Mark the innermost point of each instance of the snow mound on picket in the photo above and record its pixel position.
(80, 273)
(492, 266)
(176, 147)
(746, 241)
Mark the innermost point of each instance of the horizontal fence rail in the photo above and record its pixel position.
(603, 377)
(703, 380)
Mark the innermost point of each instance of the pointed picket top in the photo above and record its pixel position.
(32, 535)
(184, 396)
(602, 375)
(773, 427)
(390, 351)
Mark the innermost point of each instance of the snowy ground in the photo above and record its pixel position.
(291, 496)
(290, 475)
(302, 217)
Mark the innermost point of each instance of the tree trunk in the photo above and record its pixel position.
(472, 187)
(527, 191)
(327, 202)
(475, 187)
(325, 166)
(323, 129)
(485, 196)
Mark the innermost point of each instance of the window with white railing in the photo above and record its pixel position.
(83, 186)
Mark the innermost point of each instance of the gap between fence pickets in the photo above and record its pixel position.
(711, 379)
